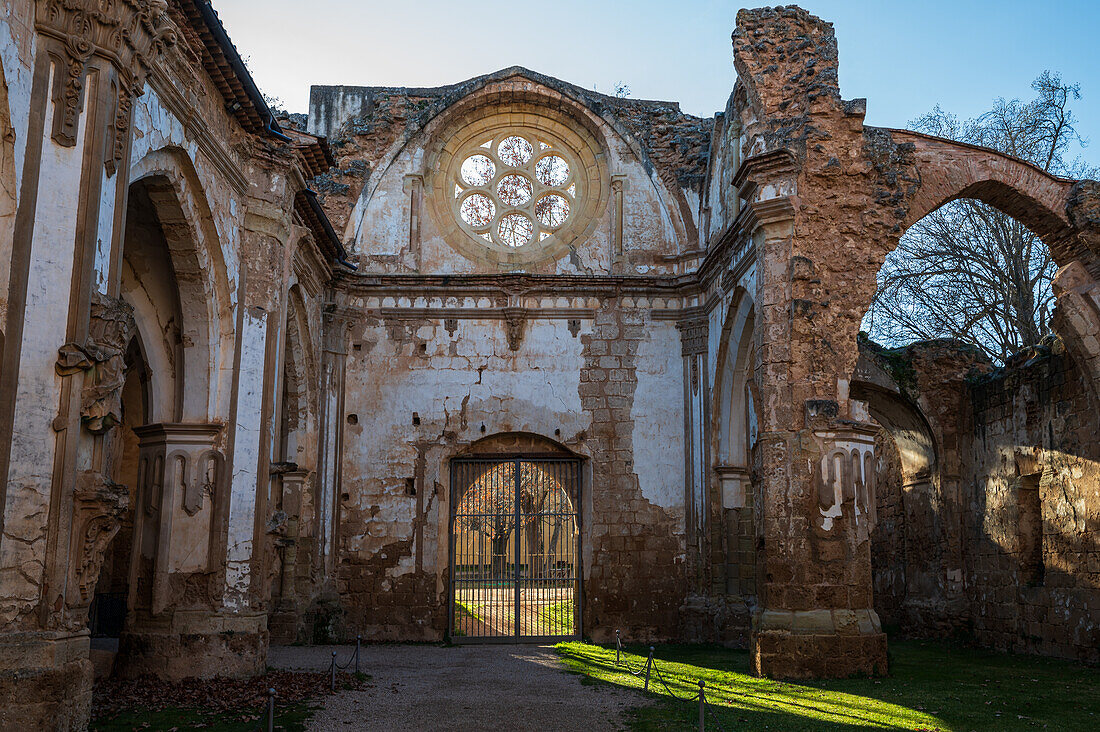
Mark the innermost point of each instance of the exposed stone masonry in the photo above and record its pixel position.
(230, 404)
(637, 559)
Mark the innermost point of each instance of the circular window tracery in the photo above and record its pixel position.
(514, 188)
(517, 185)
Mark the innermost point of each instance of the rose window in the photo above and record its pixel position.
(514, 188)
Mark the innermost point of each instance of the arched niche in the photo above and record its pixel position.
(166, 281)
(195, 251)
(734, 428)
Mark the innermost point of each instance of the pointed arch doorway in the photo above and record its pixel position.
(515, 549)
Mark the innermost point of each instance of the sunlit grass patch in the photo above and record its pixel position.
(932, 687)
(558, 618)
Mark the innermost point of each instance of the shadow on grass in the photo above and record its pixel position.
(932, 686)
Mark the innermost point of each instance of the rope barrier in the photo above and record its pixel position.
(650, 665)
(334, 664)
(618, 652)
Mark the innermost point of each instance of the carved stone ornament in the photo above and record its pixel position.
(109, 331)
(204, 484)
(99, 504)
(128, 33)
(693, 335)
(103, 357)
(515, 322)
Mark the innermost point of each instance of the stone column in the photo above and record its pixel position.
(285, 616)
(693, 349)
(60, 375)
(814, 460)
(336, 326)
(247, 509)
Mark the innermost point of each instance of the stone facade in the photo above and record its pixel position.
(1006, 559)
(240, 354)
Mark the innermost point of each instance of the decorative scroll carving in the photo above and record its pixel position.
(515, 323)
(109, 331)
(103, 358)
(129, 33)
(99, 504)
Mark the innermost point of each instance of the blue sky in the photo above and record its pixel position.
(905, 57)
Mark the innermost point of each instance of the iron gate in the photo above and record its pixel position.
(515, 547)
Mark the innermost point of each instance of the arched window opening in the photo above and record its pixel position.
(975, 269)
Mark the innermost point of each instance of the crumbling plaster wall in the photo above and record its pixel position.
(608, 390)
(16, 54)
(15, 89)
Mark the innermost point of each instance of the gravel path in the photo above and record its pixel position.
(422, 687)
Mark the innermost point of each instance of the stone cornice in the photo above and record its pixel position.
(516, 285)
(754, 170)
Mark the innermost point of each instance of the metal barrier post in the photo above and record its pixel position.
(702, 707)
(358, 638)
(332, 668)
(648, 666)
(618, 645)
(270, 710)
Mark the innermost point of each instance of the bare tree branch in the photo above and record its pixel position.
(967, 271)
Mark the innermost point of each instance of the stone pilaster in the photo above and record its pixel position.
(62, 361)
(337, 322)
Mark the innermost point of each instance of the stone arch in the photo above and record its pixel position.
(148, 283)
(733, 421)
(1062, 212)
(515, 512)
(199, 266)
(952, 170)
(522, 443)
(299, 367)
(732, 413)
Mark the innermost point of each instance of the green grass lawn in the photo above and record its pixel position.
(932, 686)
(558, 618)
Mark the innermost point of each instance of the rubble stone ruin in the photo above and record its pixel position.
(507, 358)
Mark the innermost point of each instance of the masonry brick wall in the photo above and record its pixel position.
(889, 535)
(637, 581)
(1034, 425)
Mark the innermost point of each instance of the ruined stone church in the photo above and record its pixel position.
(504, 360)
